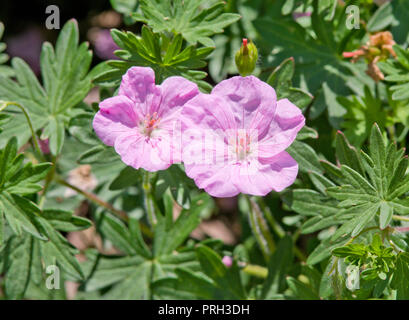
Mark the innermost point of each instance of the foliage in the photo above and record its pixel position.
(397, 72)
(79, 214)
(157, 51)
(66, 82)
(194, 20)
(362, 193)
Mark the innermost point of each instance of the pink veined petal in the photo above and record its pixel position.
(208, 112)
(259, 179)
(214, 179)
(283, 130)
(176, 91)
(250, 179)
(138, 84)
(169, 141)
(115, 117)
(252, 101)
(206, 162)
(280, 171)
(138, 152)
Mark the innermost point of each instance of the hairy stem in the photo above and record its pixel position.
(5, 104)
(92, 197)
(260, 229)
(278, 229)
(149, 201)
(48, 180)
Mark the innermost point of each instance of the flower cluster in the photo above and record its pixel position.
(230, 141)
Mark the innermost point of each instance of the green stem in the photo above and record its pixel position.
(149, 201)
(396, 217)
(260, 229)
(255, 270)
(300, 255)
(92, 197)
(270, 218)
(49, 179)
(5, 104)
(279, 230)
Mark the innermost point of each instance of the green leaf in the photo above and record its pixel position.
(307, 133)
(8, 155)
(310, 203)
(396, 73)
(126, 178)
(305, 156)
(324, 250)
(165, 56)
(301, 290)
(2, 225)
(190, 18)
(278, 267)
(381, 19)
(105, 271)
(116, 231)
(66, 82)
(356, 180)
(385, 215)
(58, 251)
(281, 78)
(24, 181)
(65, 221)
(124, 6)
(57, 139)
(169, 238)
(226, 279)
(21, 214)
(176, 181)
(18, 273)
(400, 276)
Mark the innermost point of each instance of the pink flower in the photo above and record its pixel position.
(140, 121)
(235, 138)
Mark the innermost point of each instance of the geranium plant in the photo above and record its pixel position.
(236, 150)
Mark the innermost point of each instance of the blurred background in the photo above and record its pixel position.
(25, 28)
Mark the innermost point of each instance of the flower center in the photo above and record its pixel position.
(240, 144)
(150, 123)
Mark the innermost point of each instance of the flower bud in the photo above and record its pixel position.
(227, 261)
(246, 58)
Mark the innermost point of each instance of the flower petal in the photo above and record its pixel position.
(116, 116)
(252, 101)
(138, 84)
(176, 91)
(259, 179)
(216, 180)
(138, 152)
(280, 171)
(283, 130)
(209, 112)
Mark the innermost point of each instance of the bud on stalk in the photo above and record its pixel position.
(246, 58)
